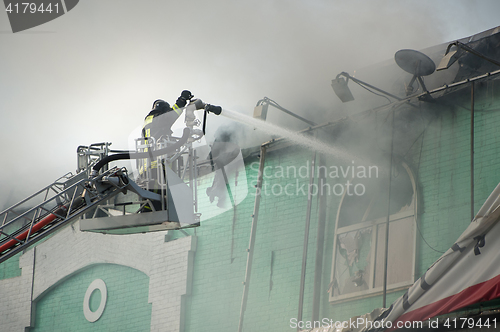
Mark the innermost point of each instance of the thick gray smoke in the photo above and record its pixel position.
(91, 75)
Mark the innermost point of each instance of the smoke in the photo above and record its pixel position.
(91, 75)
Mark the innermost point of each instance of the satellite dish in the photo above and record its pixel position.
(416, 63)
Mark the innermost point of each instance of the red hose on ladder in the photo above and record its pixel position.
(36, 227)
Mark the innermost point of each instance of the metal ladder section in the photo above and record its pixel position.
(54, 206)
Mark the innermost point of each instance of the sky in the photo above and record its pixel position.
(92, 74)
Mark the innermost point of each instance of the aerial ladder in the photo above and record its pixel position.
(108, 200)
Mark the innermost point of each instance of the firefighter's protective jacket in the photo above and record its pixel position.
(158, 124)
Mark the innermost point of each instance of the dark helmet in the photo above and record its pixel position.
(160, 105)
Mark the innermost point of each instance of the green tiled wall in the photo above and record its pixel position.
(440, 159)
(127, 307)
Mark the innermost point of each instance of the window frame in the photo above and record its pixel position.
(412, 211)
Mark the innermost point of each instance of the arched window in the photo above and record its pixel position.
(360, 236)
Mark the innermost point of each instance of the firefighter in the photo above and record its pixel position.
(158, 124)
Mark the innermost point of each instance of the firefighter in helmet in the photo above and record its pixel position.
(158, 124)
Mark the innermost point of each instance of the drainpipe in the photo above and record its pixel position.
(306, 241)
(32, 306)
(386, 254)
(472, 151)
(246, 283)
(320, 240)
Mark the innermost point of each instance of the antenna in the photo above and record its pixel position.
(416, 63)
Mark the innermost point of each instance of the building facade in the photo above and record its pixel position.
(307, 243)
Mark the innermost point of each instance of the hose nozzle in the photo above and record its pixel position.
(214, 109)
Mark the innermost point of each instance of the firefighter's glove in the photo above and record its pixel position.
(185, 96)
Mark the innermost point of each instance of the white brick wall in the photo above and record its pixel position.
(168, 266)
(169, 282)
(15, 294)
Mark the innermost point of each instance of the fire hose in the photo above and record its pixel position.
(140, 155)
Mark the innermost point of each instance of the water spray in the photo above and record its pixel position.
(293, 136)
